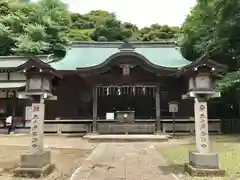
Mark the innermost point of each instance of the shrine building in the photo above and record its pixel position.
(105, 85)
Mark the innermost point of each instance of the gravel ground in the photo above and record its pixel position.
(66, 158)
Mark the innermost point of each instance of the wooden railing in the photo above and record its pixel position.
(54, 126)
(226, 126)
(230, 126)
(188, 125)
(126, 128)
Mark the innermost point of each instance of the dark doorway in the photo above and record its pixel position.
(139, 98)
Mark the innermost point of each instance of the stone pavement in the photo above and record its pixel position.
(49, 142)
(124, 161)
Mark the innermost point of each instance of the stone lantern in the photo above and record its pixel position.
(201, 83)
(38, 83)
(201, 88)
(39, 76)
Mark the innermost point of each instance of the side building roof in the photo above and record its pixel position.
(13, 62)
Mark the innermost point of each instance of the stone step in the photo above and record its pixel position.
(126, 138)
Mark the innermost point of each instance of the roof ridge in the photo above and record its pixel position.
(171, 41)
(118, 44)
(21, 57)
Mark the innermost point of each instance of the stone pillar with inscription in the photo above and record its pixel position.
(37, 162)
(39, 77)
(202, 162)
(201, 127)
(37, 124)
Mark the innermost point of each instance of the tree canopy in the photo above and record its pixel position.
(33, 28)
(46, 27)
(214, 26)
(104, 26)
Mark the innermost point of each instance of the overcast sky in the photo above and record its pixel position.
(139, 12)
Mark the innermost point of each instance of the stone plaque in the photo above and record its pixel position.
(201, 127)
(37, 124)
(28, 113)
(173, 107)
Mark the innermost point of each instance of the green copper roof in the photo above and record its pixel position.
(165, 56)
(89, 54)
(84, 55)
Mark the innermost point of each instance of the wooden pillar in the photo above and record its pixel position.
(94, 124)
(13, 113)
(238, 99)
(158, 110)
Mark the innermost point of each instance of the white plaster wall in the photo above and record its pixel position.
(3, 76)
(17, 76)
(3, 94)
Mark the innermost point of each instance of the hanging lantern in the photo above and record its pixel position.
(144, 90)
(119, 91)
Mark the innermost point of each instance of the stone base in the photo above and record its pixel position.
(126, 138)
(159, 132)
(35, 165)
(94, 132)
(34, 172)
(204, 164)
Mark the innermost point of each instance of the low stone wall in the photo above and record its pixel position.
(126, 128)
(184, 125)
(108, 127)
(3, 130)
(57, 126)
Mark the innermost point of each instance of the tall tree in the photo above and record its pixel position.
(39, 28)
(104, 26)
(112, 30)
(213, 25)
(157, 32)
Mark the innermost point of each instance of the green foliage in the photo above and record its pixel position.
(213, 25)
(39, 28)
(229, 81)
(81, 22)
(4, 8)
(5, 40)
(158, 32)
(47, 27)
(112, 30)
(80, 34)
(104, 26)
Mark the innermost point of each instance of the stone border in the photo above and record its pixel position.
(192, 171)
(34, 172)
(126, 138)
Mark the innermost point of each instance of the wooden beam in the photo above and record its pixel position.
(158, 110)
(94, 127)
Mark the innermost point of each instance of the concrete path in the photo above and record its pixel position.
(124, 161)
